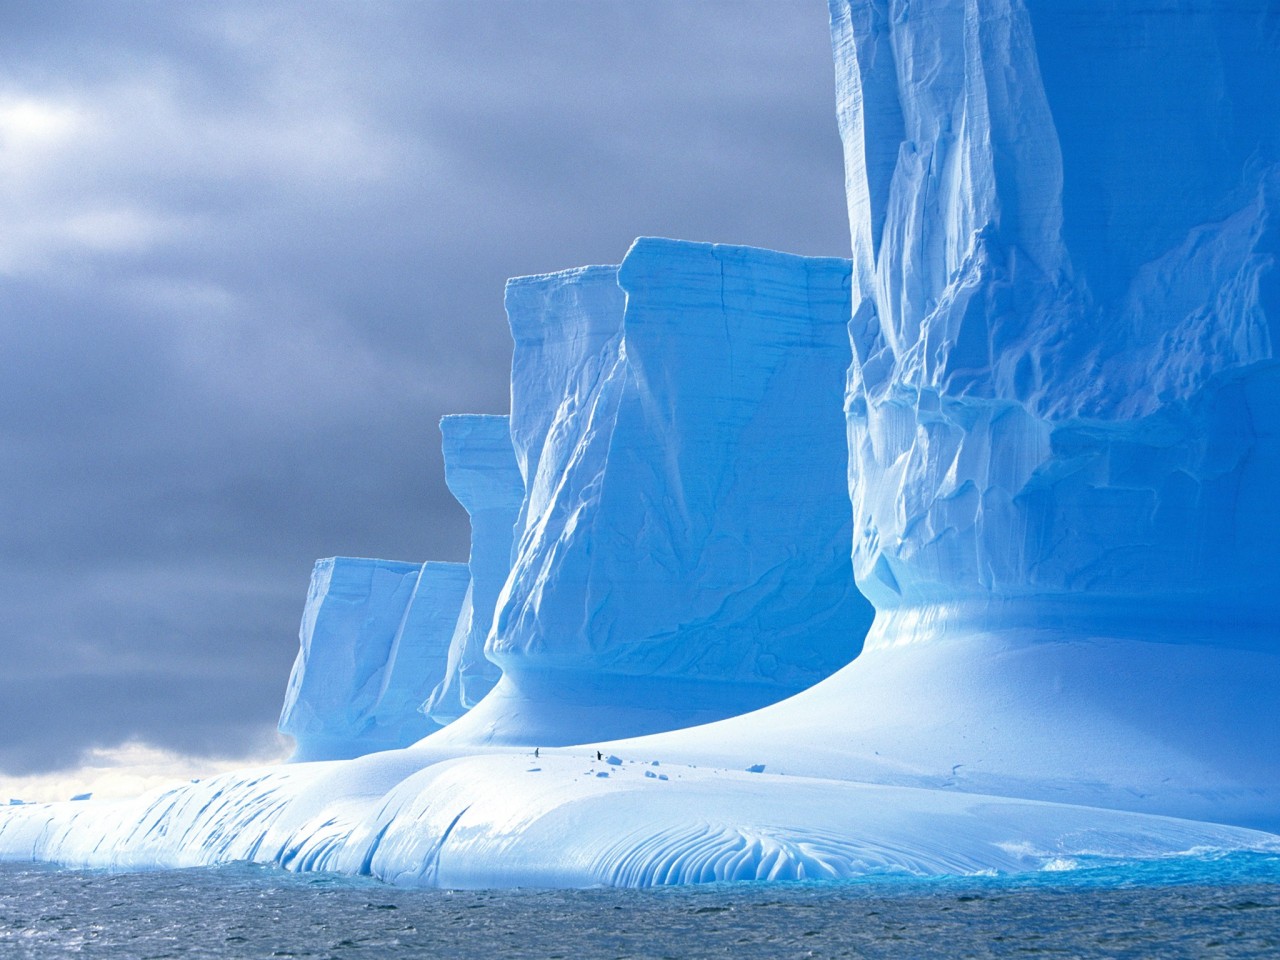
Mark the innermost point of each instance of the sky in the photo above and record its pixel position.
(251, 252)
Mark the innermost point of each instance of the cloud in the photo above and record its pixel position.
(250, 254)
(130, 769)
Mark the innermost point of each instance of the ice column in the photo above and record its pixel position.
(1064, 224)
(683, 553)
(481, 472)
(1063, 399)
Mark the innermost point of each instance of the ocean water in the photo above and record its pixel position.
(1181, 907)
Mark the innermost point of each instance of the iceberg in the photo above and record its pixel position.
(658, 383)
(1061, 402)
(1051, 429)
(674, 564)
(374, 633)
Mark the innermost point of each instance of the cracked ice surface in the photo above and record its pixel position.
(1064, 230)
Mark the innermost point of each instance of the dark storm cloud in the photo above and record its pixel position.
(250, 253)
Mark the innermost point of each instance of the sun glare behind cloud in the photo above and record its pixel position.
(130, 770)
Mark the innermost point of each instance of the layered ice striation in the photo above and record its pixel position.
(481, 472)
(1065, 253)
(420, 652)
(375, 635)
(390, 652)
(683, 550)
(1063, 398)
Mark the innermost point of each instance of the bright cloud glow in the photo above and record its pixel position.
(28, 122)
(118, 230)
(129, 770)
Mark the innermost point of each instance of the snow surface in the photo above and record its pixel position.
(566, 819)
(1061, 462)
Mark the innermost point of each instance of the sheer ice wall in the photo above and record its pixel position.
(683, 553)
(1064, 301)
(420, 653)
(390, 652)
(375, 635)
(481, 472)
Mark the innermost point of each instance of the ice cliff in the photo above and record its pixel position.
(374, 634)
(676, 564)
(1063, 221)
(672, 564)
(481, 471)
(390, 652)
(1063, 397)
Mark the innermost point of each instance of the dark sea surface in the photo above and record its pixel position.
(1181, 907)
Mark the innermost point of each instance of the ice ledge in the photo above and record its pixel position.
(567, 820)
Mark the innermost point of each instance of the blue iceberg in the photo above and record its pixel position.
(1046, 440)
(374, 634)
(1061, 401)
(674, 565)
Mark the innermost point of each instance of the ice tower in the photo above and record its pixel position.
(1063, 399)
(480, 469)
(683, 546)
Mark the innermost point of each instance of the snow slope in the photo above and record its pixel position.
(565, 819)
